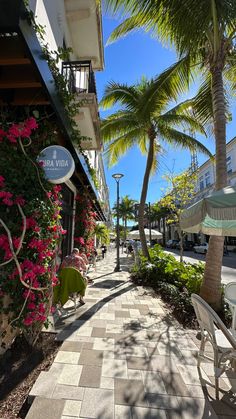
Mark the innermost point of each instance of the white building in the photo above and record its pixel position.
(205, 185)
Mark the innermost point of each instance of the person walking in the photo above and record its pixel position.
(104, 250)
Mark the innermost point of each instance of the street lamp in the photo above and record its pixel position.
(117, 177)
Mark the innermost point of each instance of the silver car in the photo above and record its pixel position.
(202, 248)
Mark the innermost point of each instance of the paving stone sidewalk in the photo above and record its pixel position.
(124, 356)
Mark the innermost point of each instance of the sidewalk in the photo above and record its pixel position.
(123, 356)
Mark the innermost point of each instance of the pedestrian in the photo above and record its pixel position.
(104, 250)
(129, 249)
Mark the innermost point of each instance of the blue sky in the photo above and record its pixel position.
(126, 61)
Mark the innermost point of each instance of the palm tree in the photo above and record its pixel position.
(102, 233)
(144, 120)
(204, 34)
(126, 211)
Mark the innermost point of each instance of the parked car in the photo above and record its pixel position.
(171, 244)
(187, 245)
(202, 248)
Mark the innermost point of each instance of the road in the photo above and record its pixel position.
(228, 268)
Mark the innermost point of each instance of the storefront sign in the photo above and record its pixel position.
(57, 163)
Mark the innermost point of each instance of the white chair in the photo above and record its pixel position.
(214, 331)
(230, 298)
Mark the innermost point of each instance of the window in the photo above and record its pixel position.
(229, 164)
(207, 179)
(201, 183)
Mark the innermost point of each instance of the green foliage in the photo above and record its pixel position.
(179, 194)
(175, 280)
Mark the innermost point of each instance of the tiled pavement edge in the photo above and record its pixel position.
(123, 356)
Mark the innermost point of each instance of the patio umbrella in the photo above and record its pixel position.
(214, 215)
(135, 234)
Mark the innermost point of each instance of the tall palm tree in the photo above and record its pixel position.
(144, 120)
(126, 211)
(204, 34)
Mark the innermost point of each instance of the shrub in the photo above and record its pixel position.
(174, 280)
(165, 268)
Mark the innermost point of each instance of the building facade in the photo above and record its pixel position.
(26, 79)
(205, 185)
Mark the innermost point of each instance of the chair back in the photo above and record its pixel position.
(208, 320)
(230, 292)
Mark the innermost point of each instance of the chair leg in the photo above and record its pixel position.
(201, 350)
(217, 373)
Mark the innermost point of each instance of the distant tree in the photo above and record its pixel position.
(178, 196)
(102, 233)
(126, 211)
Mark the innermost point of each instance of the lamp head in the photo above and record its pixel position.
(117, 176)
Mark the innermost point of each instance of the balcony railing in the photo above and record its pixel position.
(79, 76)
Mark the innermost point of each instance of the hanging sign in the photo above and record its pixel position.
(57, 163)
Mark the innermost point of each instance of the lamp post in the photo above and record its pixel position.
(117, 177)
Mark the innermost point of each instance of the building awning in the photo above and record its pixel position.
(34, 77)
(214, 215)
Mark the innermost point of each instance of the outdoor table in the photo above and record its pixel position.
(70, 281)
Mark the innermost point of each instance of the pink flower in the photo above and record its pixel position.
(30, 222)
(81, 240)
(14, 130)
(11, 138)
(28, 320)
(25, 132)
(7, 202)
(37, 229)
(31, 123)
(16, 242)
(5, 194)
(31, 306)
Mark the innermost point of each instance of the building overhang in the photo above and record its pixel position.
(88, 122)
(85, 25)
(15, 86)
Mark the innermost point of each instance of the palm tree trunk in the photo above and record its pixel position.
(125, 219)
(144, 193)
(211, 286)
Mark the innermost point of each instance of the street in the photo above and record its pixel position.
(228, 268)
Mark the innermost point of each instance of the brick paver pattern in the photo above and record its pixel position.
(124, 356)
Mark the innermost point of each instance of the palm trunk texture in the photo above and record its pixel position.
(144, 194)
(211, 286)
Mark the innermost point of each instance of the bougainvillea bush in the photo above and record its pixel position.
(84, 224)
(30, 233)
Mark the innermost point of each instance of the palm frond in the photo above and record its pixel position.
(121, 122)
(120, 145)
(186, 121)
(202, 103)
(183, 140)
(119, 93)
